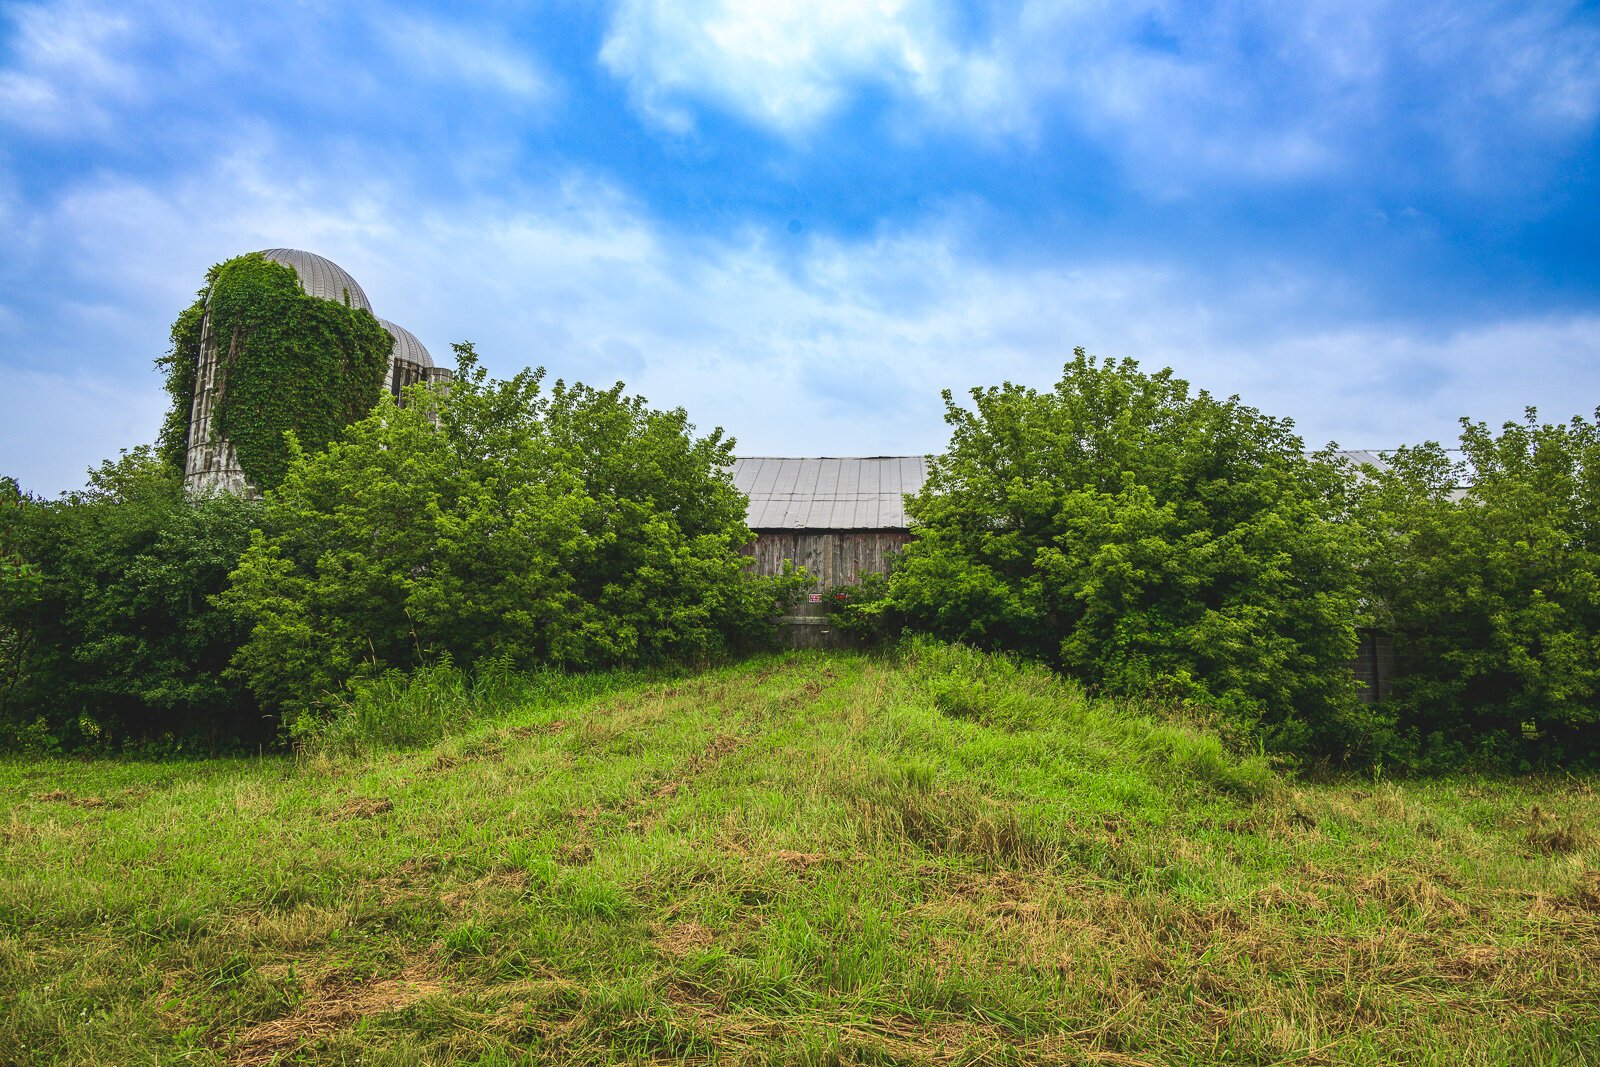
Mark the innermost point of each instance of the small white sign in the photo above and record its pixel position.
(816, 598)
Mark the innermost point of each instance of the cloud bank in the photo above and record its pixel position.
(801, 221)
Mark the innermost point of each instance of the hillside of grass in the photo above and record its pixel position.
(932, 858)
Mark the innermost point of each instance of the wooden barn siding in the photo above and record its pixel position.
(833, 558)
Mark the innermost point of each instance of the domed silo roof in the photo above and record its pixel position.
(406, 345)
(321, 277)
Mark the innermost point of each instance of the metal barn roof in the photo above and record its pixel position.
(829, 493)
(850, 492)
(1357, 457)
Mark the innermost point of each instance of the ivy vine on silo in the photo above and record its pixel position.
(290, 361)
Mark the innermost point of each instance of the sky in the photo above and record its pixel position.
(800, 220)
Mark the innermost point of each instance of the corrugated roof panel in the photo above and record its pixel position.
(871, 471)
(827, 493)
(836, 506)
(786, 481)
(763, 476)
(764, 513)
(849, 478)
(806, 484)
(1362, 455)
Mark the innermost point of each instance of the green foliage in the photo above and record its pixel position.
(405, 709)
(106, 626)
(1493, 593)
(20, 583)
(179, 367)
(576, 528)
(1144, 539)
(290, 361)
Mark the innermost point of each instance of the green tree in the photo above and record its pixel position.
(107, 621)
(1492, 591)
(19, 594)
(575, 527)
(1141, 537)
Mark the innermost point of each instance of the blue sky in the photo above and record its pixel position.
(801, 220)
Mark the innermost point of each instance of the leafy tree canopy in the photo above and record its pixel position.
(572, 526)
(1485, 565)
(1140, 536)
(107, 631)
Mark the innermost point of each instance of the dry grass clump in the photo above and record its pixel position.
(335, 1003)
(1556, 835)
(362, 808)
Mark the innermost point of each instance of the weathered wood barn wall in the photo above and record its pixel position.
(840, 518)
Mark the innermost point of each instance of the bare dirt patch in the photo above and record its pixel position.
(334, 1005)
(575, 853)
(799, 861)
(715, 750)
(502, 882)
(534, 731)
(1585, 896)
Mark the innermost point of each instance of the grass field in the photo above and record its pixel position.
(939, 858)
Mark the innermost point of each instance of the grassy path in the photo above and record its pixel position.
(799, 859)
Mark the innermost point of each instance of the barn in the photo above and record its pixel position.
(842, 517)
(838, 517)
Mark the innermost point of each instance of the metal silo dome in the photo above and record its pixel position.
(321, 277)
(406, 345)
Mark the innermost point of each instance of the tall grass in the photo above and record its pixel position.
(410, 709)
(1015, 695)
(940, 858)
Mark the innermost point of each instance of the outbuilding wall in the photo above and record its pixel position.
(833, 558)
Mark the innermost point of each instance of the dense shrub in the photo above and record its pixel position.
(1492, 593)
(107, 631)
(1143, 538)
(571, 528)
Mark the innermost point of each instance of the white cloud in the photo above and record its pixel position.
(444, 52)
(123, 70)
(789, 64)
(1259, 91)
(796, 345)
(66, 62)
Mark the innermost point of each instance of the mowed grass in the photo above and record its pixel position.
(935, 858)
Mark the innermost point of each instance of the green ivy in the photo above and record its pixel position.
(179, 366)
(290, 362)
